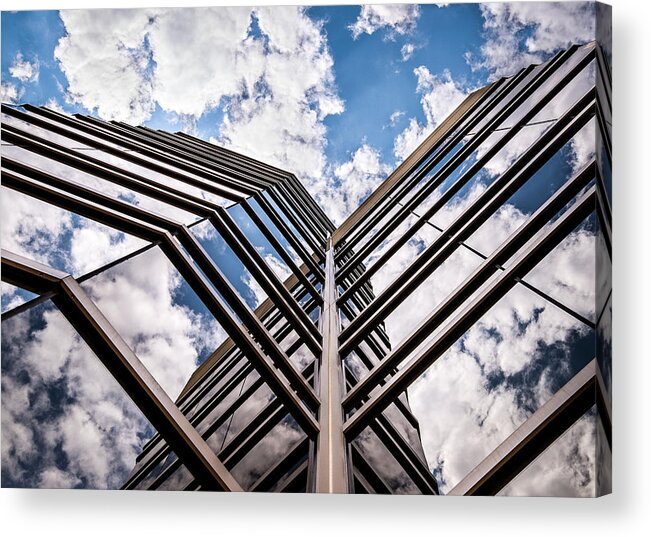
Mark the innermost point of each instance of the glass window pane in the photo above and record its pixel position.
(160, 317)
(59, 238)
(493, 378)
(565, 469)
(66, 422)
(13, 296)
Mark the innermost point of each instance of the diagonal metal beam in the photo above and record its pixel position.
(535, 435)
(486, 298)
(127, 369)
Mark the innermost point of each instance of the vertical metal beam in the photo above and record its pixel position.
(331, 464)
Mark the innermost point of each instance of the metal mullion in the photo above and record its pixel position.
(603, 74)
(154, 443)
(465, 152)
(331, 463)
(479, 276)
(420, 171)
(233, 407)
(74, 203)
(145, 228)
(469, 148)
(282, 467)
(486, 298)
(304, 228)
(229, 386)
(250, 321)
(207, 265)
(137, 141)
(282, 252)
(127, 369)
(115, 175)
(157, 458)
(400, 405)
(531, 438)
(309, 200)
(257, 428)
(245, 159)
(404, 455)
(471, 219)
(255, 264)
(300, 219)
(227, 346)
(289, 236)
(249, 436)
(431, 156)
(126, 155)
(603, 212)
(205, 158)
(361, 465)
(38, 117)
(293, 216)
(292, 478)
(298, 197)
(213, 376)
(604, 132)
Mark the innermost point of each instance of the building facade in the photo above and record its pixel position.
(225, 335)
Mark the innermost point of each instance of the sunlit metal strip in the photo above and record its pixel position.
(473, 145)
(331, 463)
(486, 298)
(531, 438)
(127, 369)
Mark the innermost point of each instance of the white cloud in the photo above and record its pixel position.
(11, 93)
(67, 422)
(279, 119)
(105, 61)
(266, 67)
(138, 298)
(566, 468)
(395, 117)
(440, 95)
(407, 51)
(397, 18)
(522, 33)
(24, 70)
(356, 179)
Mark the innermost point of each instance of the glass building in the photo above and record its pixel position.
(177, 316)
